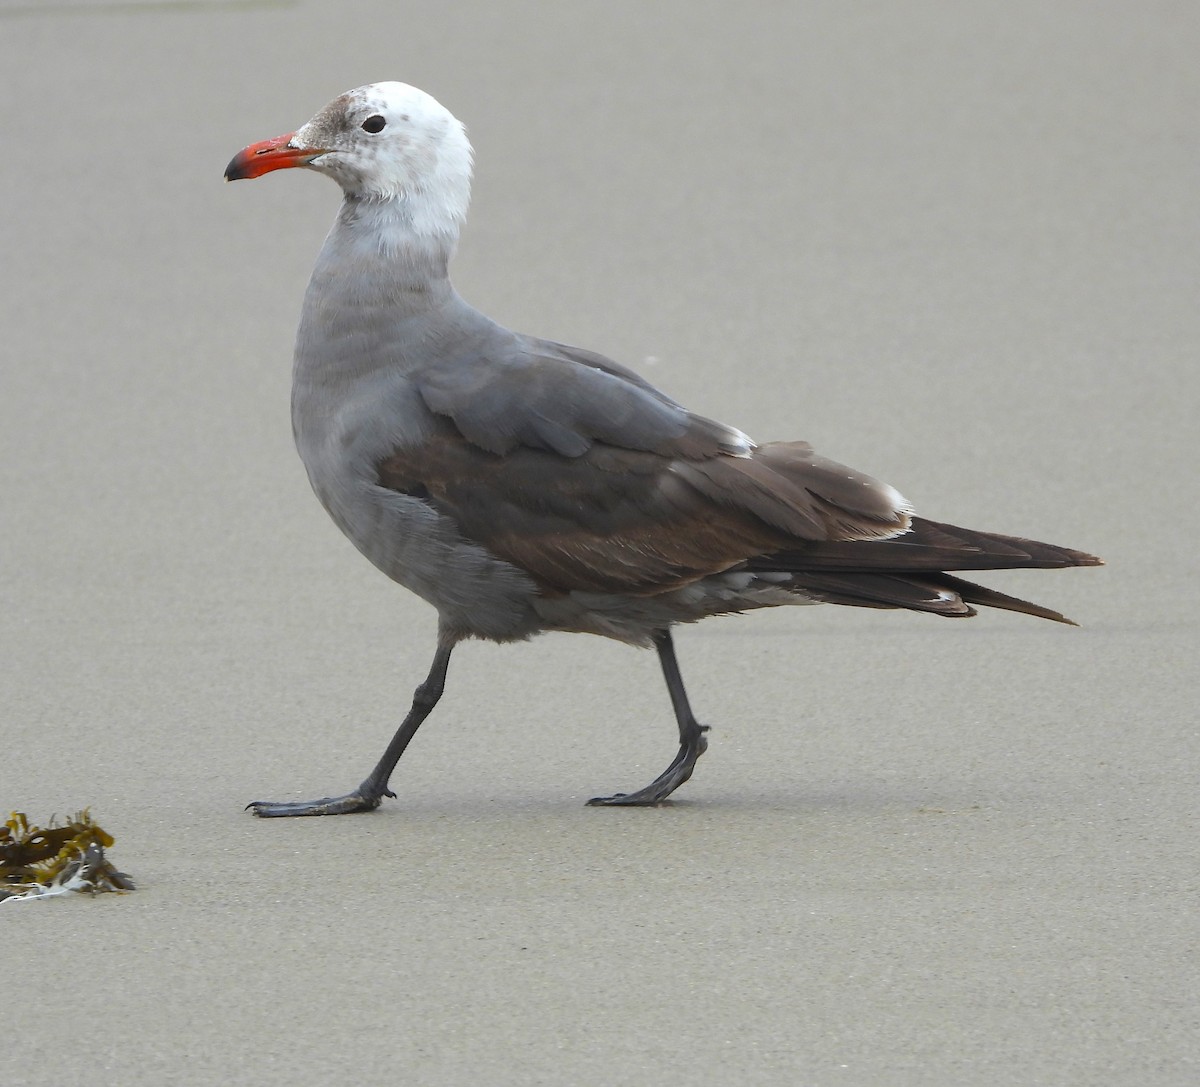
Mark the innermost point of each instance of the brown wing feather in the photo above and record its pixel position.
(611, 520)
(928, 545)
(629, 521)
(636, 522)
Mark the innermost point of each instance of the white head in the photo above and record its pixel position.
(381, 142)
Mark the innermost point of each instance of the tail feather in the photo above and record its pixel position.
(882, 591)
(909, 571)
(990, 598)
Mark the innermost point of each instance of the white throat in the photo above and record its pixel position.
(404, 234)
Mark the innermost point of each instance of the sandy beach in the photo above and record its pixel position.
(954, 246)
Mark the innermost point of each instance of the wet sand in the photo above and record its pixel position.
(952, 245)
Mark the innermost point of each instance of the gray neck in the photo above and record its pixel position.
(375, 254)
(379, 292)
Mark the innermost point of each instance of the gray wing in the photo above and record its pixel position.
(588, 478)
(503, 392)
(583, 474)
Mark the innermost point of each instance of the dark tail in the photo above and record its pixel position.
(910, 570)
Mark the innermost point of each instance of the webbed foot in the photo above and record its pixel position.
(693, 745)
(362, 799)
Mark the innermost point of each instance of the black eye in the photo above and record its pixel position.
(374, 123)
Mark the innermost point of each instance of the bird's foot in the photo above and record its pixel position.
(648, 797)
(364, 798)
(691, 748)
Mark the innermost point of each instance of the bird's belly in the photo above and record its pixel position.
(475, 593)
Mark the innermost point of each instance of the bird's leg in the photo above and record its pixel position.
(692, 743)
(369, 794)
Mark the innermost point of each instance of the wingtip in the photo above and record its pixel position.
(1082, 558)
(1053, 616)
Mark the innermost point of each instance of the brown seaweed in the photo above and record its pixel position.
(37, 862)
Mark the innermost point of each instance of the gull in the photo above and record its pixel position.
(521, 485)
